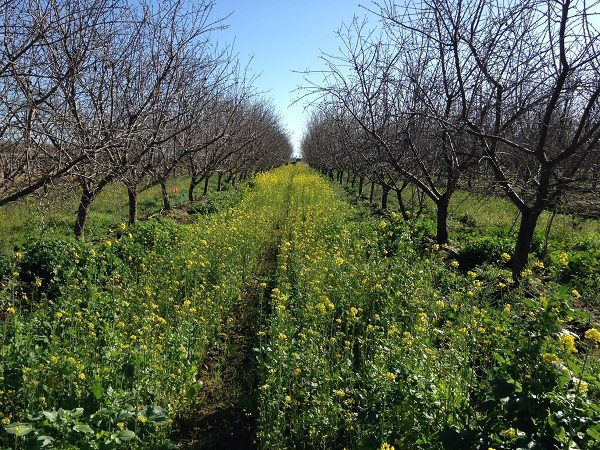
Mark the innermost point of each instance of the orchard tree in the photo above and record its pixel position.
(529, 89)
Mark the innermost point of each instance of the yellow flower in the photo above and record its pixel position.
(563, 259)
(142, 419)
(581, 386)
(82, 376)
(288, 399)
(454, 263)
(5, 421)
(593, 335)
(38, 282)
(509, 433)
(282, 336)
(568, 342)
(550, 358)
(340, 393)
(506, 257)
(11, 310)
(575, 293)
(121, 426)
(386, 446)
(390, 376)
(507, 308)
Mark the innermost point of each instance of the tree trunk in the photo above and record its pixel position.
(384, 196)
(442, 219)
(361, 180)
(87, 197)
(348, 178)
(219, 179)
(525, 237)
(372, 192)
(206, 180)
(421, 200)
(165, 196)
(401, 204)
(133, 204)
(193, 183)
(330, 173)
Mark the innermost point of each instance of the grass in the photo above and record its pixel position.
(488, 211)
(377, 340)
(55, 212)
(367, 334)
(102, 341)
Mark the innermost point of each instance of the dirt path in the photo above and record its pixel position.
(225, 417)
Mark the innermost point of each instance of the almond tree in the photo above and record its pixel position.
(537, 115)
(37, 148)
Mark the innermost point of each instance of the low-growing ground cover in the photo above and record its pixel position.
(368, 334)
(101, 343)
(484, 227)
(377, 338)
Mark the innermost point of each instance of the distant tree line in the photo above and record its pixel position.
(444, 93)
(94, 92)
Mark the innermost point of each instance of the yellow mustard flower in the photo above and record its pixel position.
(568, 342)
(593, 335)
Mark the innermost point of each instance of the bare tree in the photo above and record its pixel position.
(536, 66)
(37, 149)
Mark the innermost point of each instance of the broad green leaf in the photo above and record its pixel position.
(98, 390)
(83, 428)
(18, 428)
(126, 435)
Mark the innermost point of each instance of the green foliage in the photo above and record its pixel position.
(101, 342)
(373, 341)
(485, 248)
(372, 333)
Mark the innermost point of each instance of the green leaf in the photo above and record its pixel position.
(126, 435)
(594, 432)
(83, 428)
(45, 441)
(560, 434)
(18, 429)
(98, 390)
(50, 415)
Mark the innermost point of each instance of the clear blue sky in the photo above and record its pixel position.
(282, 36)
